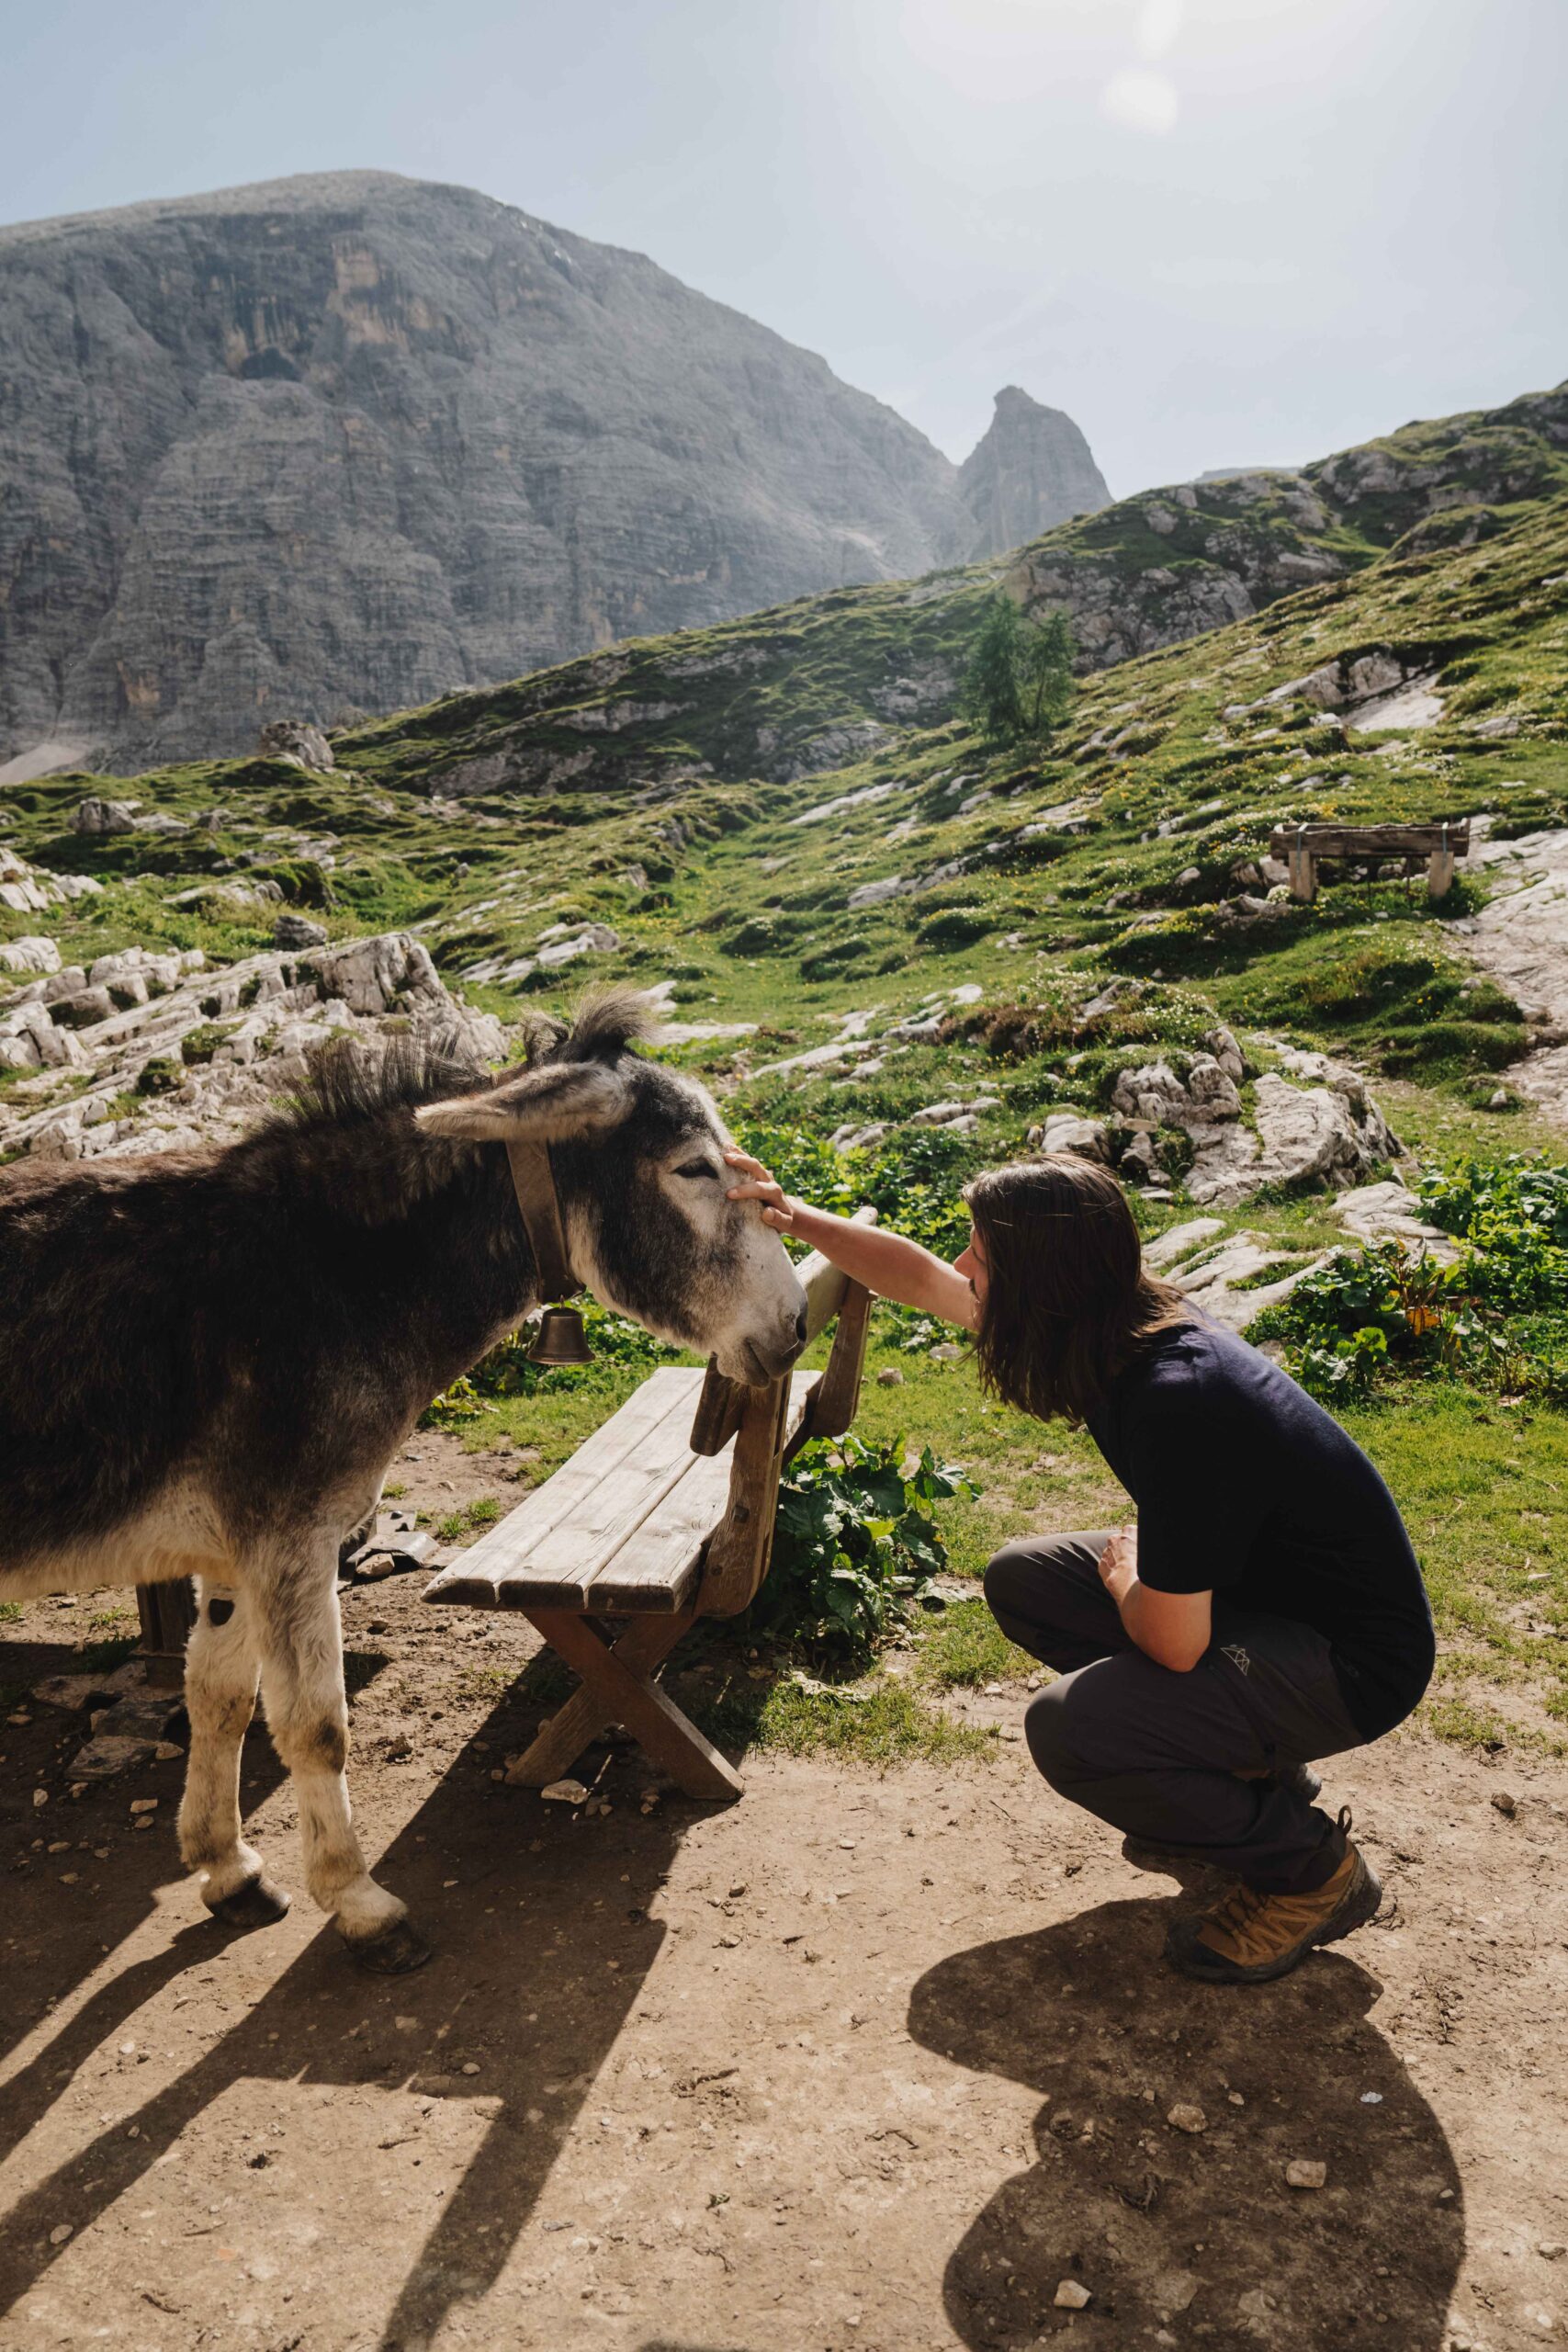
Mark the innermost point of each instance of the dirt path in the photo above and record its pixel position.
(870, 2061)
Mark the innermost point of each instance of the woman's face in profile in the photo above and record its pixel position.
(971, 1264)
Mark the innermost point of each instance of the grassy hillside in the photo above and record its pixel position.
(782, 819)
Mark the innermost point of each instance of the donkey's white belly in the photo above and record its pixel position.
(177, 1534)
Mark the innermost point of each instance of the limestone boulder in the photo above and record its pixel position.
(298, 742)
(97, 817)
(1067, 1131)
(29, 955)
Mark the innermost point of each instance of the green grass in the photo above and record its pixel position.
(966, 1648)
(483, 1512)
(879, 1722)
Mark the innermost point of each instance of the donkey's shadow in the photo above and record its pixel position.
(1153, 2220)
(541, 2015)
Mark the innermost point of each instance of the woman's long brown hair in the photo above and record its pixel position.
(1069, 1305)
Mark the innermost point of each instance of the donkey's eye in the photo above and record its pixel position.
(698, 1168)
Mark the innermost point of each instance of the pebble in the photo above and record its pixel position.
(1184, 2117)
(1305, 2172)
(1236, 2098)
(1505, 1804)
(471, 2066)
(144, 1821)
(1071, 2295)
(41, 1796)
(1551, 2250)
(143, 1805)
(565, 1793)
(949, 1353)
(60, 2233)
(890, 1377)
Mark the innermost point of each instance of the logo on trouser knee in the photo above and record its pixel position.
(1238, 1657)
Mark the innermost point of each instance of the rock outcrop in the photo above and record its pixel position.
(339, 444)
(207, 1051)
(1313, 1126)
(1169, 564)
(1032, 469)
(1520, 938)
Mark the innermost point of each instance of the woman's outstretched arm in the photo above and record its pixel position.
(884, 1262)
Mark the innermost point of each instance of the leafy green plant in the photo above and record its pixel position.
(855, 1547)
(1513, 1216)
(1498, 1315)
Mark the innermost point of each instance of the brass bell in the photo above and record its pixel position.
(561, 1339)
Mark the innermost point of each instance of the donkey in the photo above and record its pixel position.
(209, 1357)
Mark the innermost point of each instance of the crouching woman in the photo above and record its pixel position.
(1267, 1610)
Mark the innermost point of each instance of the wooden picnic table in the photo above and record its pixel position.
(1301, 845)
(664, 1516)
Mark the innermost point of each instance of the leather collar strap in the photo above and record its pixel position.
(535, 1185)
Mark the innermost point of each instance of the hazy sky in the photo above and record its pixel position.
(1216, 232)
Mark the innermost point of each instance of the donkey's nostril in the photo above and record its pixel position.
(800, 1327)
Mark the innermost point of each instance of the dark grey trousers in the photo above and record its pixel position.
(1157, 1753)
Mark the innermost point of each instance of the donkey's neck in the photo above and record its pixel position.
(428, 1235)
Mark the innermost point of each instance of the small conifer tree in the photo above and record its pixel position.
(1018, 684)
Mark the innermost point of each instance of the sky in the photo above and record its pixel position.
(1215, 231)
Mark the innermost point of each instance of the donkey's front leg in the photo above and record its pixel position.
(222, 1671)
(301, 1639)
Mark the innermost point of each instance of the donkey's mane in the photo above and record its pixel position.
(356, 1080)
(605, 1022)
(353, 1080)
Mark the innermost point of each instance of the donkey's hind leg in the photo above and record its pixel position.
(222, 1672)
(301, 1639)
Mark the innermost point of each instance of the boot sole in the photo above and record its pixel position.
(1359, 1904)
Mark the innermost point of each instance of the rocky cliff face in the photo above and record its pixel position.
(1170, 564)
(1032, 469)
(335, 444)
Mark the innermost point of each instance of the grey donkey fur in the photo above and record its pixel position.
(207, 1359)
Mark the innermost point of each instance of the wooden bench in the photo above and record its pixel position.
(1301, 845)
(665, 1515)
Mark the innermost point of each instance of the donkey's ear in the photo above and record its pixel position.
(556, 1104)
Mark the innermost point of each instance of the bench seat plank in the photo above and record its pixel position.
(473, 1578)
(619, 1528)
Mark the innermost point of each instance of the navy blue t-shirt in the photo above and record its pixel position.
(1246, 1488)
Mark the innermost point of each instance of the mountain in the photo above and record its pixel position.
(1033, 469)
(1169, 564)
(334, 444)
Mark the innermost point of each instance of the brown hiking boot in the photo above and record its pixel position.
(1250, 1935)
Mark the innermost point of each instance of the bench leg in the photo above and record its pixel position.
(617, 1686)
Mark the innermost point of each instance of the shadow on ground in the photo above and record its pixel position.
(533, 2000)
(1155, 2222)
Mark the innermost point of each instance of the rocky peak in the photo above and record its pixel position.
(1032, 468)
(334, 445)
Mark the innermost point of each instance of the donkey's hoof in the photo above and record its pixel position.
(258, 1904)
(396, 1952)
